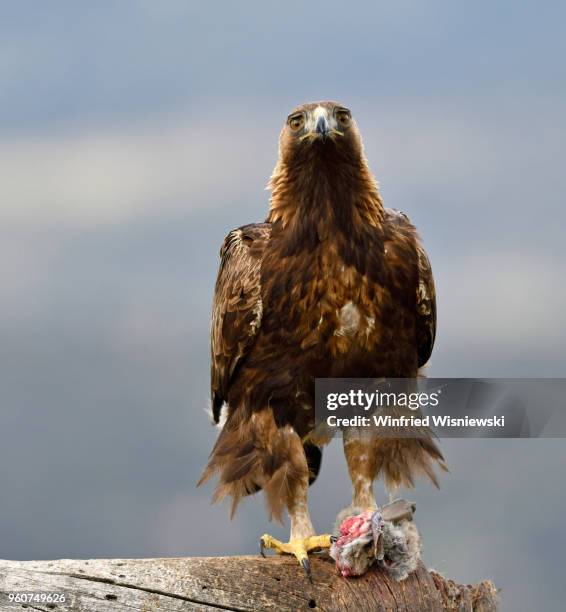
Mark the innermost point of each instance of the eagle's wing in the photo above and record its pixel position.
(237, 307)
(426, 308)
(426, 295)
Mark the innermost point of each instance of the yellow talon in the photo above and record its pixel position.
(319, 541)
(298, 548)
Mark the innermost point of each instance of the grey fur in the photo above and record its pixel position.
(402, 546)
(398, 550)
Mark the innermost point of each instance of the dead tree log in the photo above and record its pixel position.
(229, 583)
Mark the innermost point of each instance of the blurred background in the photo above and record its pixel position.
(135, 135)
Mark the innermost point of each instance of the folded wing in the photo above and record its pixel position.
(237, 308)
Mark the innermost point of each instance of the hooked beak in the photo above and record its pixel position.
(321, 127)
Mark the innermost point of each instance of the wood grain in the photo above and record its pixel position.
(232, 583)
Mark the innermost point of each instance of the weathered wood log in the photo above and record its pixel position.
(231, 583)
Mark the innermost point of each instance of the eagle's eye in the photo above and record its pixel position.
(296, 122)
(343, 116)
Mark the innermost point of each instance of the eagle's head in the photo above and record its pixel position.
(321, 129)
(322, 175)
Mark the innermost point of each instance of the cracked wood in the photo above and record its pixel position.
(232, 583)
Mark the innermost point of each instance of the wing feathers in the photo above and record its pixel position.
(426, 295)
(237, 308)
(426, 308)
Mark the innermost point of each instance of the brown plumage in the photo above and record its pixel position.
(331, 285)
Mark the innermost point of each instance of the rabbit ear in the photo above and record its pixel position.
(377, 531)
(398, 510)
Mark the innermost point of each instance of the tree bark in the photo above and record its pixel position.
(231, 583)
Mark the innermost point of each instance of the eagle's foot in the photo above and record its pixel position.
(298, 548)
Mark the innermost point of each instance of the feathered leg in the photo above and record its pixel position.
(302, 538)
(256, 454)
(362, 467)
(385, 535)
(397, 460)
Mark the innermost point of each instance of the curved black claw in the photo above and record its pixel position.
(261, 548)
(333, 539)
(307, 567)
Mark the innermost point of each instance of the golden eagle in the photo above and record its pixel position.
(333, 284)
